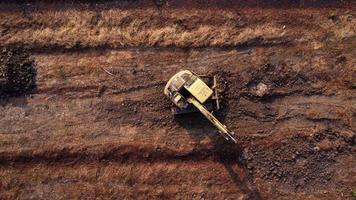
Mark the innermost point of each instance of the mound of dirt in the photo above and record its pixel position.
(17, 72)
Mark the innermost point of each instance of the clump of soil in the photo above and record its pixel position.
(301, 161)
(17, 72)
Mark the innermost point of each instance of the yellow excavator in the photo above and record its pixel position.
(188, 92)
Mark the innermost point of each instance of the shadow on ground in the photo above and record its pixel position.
(225, 152)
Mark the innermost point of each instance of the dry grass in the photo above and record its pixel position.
(118, 28)
(175, 27)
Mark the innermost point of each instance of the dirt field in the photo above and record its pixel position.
(83, 133)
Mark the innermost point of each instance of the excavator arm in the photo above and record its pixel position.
(226, 133)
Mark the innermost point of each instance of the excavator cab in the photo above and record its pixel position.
(190, 93)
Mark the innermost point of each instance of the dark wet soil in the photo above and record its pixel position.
(17, 72)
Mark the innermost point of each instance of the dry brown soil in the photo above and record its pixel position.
(287, 76)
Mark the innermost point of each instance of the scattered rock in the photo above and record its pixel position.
(158, 149)
(316, 148)
(260, 90)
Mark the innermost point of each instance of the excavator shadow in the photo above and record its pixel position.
(230, 156)
(225, 152)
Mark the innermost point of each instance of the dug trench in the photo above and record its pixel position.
(99, 126)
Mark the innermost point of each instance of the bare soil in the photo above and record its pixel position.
(97, 124)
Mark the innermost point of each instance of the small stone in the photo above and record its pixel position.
(316, 148)
(261, 90)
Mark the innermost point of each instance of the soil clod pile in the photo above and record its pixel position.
(17, 72)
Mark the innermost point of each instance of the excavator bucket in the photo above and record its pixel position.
(190, 93)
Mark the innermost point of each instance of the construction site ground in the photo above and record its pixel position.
(99, 126)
